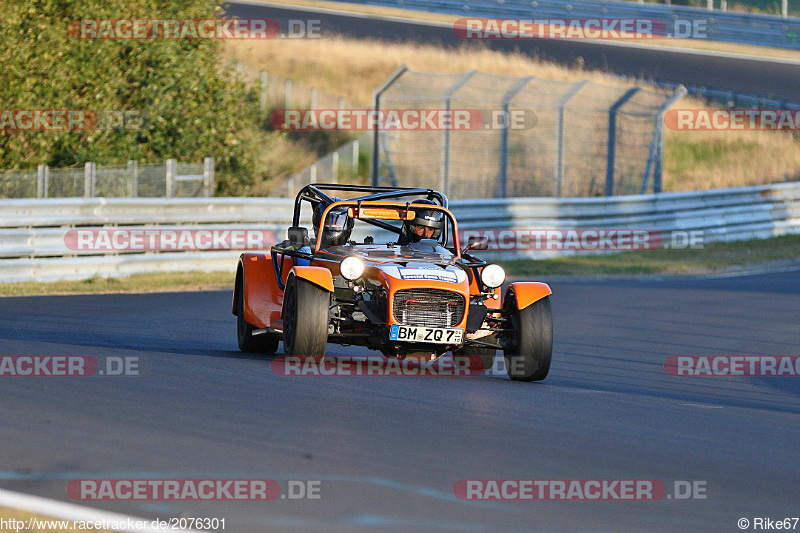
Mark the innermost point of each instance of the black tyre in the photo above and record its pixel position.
(305, 318)
(264, 343)
(528, 359)
(486, 355)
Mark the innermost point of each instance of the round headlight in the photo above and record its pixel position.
(493, 276)
(351, 268)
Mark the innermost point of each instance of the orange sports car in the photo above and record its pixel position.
(385, 269)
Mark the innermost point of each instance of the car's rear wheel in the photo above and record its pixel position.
(305, 318)
(486, 355)
(264, 343)
(528, 356)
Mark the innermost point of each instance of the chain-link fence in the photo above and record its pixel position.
(536, 137)
(168, 179)
(346, 164)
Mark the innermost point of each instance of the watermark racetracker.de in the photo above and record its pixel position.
(178, 489)
(733, 365)
(194, 29)
(578, 490)
(579, 28)
(70, 120)
(72, 366)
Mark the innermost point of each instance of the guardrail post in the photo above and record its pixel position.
(287, 94)
(42, 184)
(376, 106)
(785, 8)
(612, 138)
(88, 180)
(313, 103)
(502, 175)
(172, 168)
(263, 105)
(710, 5)
(558, 173)
(208, 176)
(444, 165)
(133, 170)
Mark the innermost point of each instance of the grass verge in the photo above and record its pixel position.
(162, 282)
(714, 257)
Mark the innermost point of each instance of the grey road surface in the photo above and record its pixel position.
(387, 451)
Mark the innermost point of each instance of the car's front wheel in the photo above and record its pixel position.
(529, 354)
(305, 318)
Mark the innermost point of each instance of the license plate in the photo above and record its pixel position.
(423, 334)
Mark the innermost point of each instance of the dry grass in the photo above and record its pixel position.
(353, 68)
(696, 44)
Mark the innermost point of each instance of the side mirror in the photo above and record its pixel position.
(298, 236)
(475, 243)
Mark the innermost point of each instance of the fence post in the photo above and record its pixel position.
(559, 163)
(444, 166)
(313, 103)
(785, 8)
(263, 91)
(172, 166)
(339, 116)
(376, 105)
(42, 184)
(335, 167)
(502, 177)
(612, 138)
(88, 180)
(356, 152)
(133, 169)
(710, 5)
(208, 176)
(656, 155)
(287, 94)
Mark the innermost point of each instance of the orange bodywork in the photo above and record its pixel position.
(263, 298)
(319, 276)
(528, 292)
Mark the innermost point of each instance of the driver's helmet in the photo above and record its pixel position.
(427, 223)
(337, 227)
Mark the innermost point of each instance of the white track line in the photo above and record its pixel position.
(53, 509)
(621, 44)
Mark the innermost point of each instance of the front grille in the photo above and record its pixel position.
(434, 308)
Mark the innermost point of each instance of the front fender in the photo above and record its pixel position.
(319, 276)
(527, 292)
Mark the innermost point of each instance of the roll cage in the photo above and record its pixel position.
(392, 196)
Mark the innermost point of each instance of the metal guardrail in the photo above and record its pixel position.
(744, 28)
(33, 246)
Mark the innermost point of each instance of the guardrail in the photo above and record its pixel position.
(33, 244)
(745, 28)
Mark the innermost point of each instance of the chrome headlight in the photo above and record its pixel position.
(351, 268)
(493, 276)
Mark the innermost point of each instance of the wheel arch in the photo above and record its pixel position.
(527, 292)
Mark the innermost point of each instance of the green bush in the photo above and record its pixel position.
(191, 107)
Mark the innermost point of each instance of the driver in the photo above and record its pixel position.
(427, 223)
(337, 227)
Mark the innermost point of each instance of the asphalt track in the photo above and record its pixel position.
(388, 450)
(772, 78)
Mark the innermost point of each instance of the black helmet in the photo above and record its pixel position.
(423, 218)
(338, 225)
